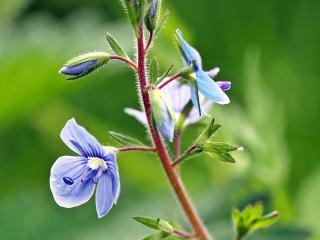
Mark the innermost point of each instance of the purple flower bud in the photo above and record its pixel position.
(153, 8)
(78, 69)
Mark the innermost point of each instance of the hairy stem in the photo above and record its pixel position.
(125, 60)
(149, 41)
(174, 77)
(184, 234)
(173, 178)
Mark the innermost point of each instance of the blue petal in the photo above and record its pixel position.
(79, 192)
(78, 69)
(104, 194)
(80, 141)
(138, 115)
(189, 53)
(168, 124)
(178, 95)
(209, 88)
(113, 169)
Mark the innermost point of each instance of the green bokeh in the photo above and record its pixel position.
(268, 49)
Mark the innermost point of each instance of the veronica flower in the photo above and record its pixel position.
(206, 86)
(179, 95)
(74, 179)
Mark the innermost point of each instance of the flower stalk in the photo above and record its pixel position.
(125, 60)
(173, 178)
(143, 149)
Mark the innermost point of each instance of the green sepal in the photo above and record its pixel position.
(207, 133)
(187, 72)
(158, 236)
(115, 46)
(157, 97)
(219, 151)
(101, 57)
(252, 219)
(161, 23)
(124, 140)
(151, 22)
(155, 223)
(184, 115)
(153, 71)
(160, 79)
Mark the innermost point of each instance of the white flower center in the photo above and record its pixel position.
(94, 163)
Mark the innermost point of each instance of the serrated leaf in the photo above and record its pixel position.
(153, 71)
(161, 23)
(155, 223)
(115, 46)
(124, 139)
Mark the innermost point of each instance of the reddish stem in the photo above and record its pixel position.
(174, 77)
(149, 41)
(188, 151)
(178, 145)
(144, 149)
(125, 60)
(184, 234)
(174, 180)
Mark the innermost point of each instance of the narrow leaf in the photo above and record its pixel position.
(160, 79)
(155, 223)
(115, 46)
(125, 140)
(161, 23)
(153, 71)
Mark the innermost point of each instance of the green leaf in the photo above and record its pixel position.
(219, 151)
(161, 23)
(266, 221)
(160, 79)
(125, 140)
(251, 219)
(128, 4)
(115, 46)
(155, 223)
(153, 71)
(208, 132)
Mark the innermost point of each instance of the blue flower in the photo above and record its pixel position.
(209, 88)
(178, 95)
(73, 179)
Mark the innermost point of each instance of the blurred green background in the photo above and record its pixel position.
(268, 49)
